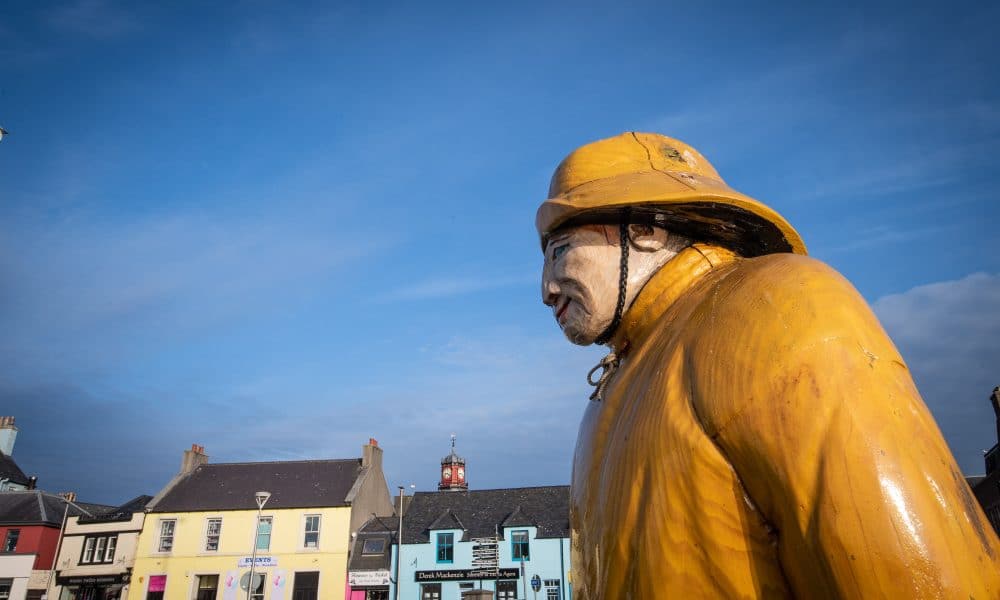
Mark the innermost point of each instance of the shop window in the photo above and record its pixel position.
(371, 594)
(5, 585)
(430, 591)
(213, 531)
(157, 585)
(99, 549)
(264, 533)
(312, 531)
(306, 585)
(258, 592)
(552, 591)
(10, 543)
(373, 546)
(208, 587)
(506, 590)
(166, 540)
(519, 550)
(445, 547)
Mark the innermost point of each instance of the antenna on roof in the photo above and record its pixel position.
(453, 441)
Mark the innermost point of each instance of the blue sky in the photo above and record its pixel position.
(276, 230)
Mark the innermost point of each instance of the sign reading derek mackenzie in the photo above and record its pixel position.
(466, 575)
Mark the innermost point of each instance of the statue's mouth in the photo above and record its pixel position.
(561, 310)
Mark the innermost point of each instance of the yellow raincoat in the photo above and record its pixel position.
(762, 438)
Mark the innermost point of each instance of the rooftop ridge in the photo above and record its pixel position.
(507, 489)
(280, 462)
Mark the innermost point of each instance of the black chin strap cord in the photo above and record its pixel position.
(622, 281)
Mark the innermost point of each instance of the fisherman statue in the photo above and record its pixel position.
(752, 431)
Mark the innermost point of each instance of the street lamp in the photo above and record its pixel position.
(399, 538)
(261, 498)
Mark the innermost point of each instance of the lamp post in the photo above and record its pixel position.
(399, 538)
(261, 498)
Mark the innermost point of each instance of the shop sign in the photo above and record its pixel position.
(465, 574)
(260, 561)
(366, 578)
(77, 580)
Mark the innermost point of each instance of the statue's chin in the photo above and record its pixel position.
(579, 335)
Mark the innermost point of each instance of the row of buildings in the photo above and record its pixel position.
(290, 530)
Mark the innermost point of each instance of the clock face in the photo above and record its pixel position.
(461, 473)
(446, 473)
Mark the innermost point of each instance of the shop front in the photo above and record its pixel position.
(93, 587)
(368, 585)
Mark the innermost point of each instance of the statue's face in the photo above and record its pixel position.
(580, 280)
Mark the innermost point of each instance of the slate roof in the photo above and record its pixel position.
(118, 513)
(10, 470)
(35, 507)
(482, 513)
(383, 528)
(293, 484)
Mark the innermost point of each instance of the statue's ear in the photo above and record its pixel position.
(646, 238)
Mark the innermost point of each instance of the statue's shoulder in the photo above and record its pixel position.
(785, 281)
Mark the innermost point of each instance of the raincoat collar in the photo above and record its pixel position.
(664, 288)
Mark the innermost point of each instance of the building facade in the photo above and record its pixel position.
(30, 526)
(205, 532)
(97, 553)
(498, 540)
(12, 478)
(369, 573)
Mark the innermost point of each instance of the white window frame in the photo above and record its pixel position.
(256, 533)
(9, 584)
(209, 535)
(160, 537)
(99, 549)
(306, 531)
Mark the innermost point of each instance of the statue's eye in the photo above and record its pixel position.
(559, 251)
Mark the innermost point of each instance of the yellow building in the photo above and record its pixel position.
(201, 533)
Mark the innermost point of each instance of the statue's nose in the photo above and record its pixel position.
(550, 291)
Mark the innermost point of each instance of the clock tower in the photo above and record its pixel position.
(453, 471)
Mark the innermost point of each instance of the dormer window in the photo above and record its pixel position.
(373, 546)
(446, 547)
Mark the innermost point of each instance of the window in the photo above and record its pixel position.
(5, 585)
(446, 547)
(258, 592)
(213, 530)
(166, 542)
(373, 546)
(306, 585)
(208, 586)
(99, 549)
(430, 591)
(552, 591)
(519, 545)
(506, 590)
(157, 585)
(10, 544)
(312, 531)
(264, 534)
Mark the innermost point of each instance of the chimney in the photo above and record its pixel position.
(371, 454)
(69, 496)
(8, 433)
(193, 458)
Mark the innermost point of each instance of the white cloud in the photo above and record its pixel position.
(949, 334)
(441, 287)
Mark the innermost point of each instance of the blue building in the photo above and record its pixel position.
(500, 540)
